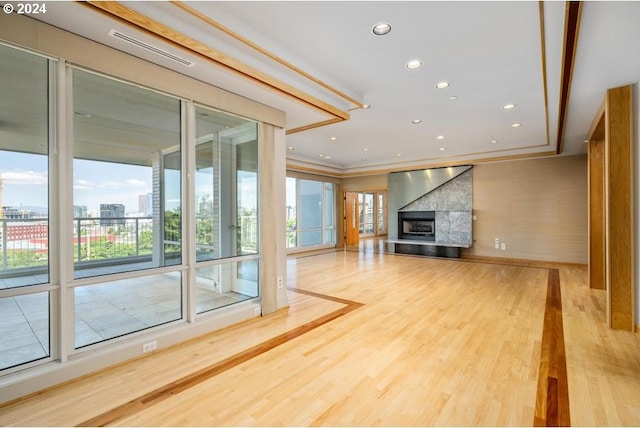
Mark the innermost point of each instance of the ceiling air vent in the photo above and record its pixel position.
(150, 48)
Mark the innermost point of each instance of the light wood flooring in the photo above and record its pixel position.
(375, 339)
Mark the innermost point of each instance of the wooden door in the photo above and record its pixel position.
(351, 226)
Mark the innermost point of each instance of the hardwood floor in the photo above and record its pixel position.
(377, 339)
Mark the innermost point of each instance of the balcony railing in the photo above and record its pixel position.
(102, 240)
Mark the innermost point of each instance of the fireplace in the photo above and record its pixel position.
(417, 225)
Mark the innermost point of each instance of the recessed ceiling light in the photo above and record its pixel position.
(399, 154)
(442, 85)
(290, 148)
(441, 149)
(366, 106)
(413, 64)
(333, 138)
(453, 98)
(493, 141)
(416, 121)
(321, 155)
(366, 149)
(440, 137)
(515, 125)
(327, 157)
(509, 106)
(381, 28)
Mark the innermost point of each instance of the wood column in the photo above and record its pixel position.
(611, 210)
(619, 233)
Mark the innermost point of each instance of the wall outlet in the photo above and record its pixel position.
(497, 241)
(150, 346)
(503, 246)
(280, 284)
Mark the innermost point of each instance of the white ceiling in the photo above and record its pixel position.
(491, 53)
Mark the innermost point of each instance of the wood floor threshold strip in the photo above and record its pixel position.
(171, 389)
(552, 398)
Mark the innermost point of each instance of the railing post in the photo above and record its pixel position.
(137, 236)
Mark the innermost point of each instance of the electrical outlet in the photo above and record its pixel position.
(280, 285)
(503, 246)
(497, 241)
(150, 346)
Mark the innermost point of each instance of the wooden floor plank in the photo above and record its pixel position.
(436, 342)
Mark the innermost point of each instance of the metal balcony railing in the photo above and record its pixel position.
(24, 243)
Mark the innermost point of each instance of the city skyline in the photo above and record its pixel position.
(25, 179)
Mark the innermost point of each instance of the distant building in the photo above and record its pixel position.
(145, 204)
(1, 208)
(17, 213)
(112, 211)
(80, 211)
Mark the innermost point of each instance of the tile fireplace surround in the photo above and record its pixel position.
(446, 191)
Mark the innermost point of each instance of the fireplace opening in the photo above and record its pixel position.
(417, 225)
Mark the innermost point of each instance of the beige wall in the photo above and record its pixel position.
(364, 183)
(538, 208)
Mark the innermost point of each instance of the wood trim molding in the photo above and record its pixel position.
(596, 130)
(158, 30)
(264, 52)
(596, 215)
(573, 13)
(543, 49)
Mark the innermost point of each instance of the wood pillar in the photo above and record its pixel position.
(619, 217)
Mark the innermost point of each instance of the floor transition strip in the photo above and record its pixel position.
(166, 391)
(552, 398)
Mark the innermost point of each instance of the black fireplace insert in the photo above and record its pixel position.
(417, 225)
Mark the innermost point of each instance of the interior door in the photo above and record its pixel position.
(351, 227)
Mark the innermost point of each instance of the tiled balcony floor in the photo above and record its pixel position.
(102, 311)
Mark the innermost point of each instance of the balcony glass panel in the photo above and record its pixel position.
(112, 309)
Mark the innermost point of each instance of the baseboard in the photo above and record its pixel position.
(546, 264)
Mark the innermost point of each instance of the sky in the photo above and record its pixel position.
(24, 182)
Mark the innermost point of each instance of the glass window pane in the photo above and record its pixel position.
(311, 204)
(24, 177)
(247, 196)
(226, 284)
(292, 196)
(328, 205)
(24, 329)
(127, 177)
(382, 226)
(111, 309)
(310, 237)
(226, 185)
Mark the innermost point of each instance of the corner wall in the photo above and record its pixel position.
(537, 208)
